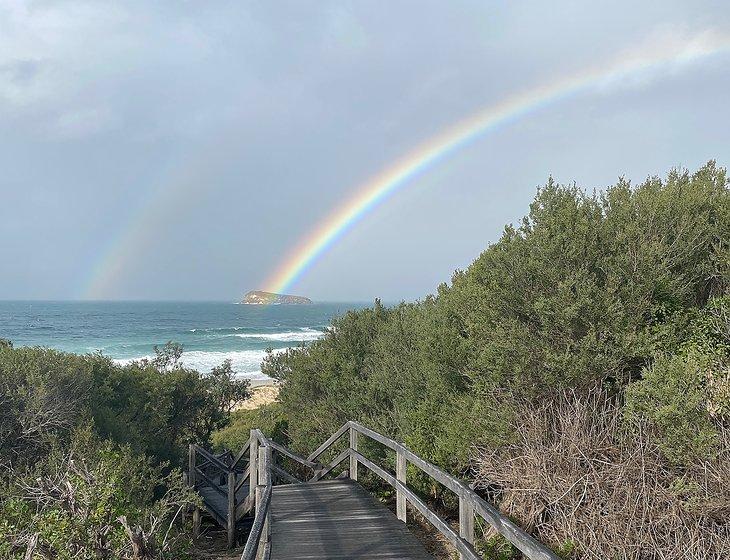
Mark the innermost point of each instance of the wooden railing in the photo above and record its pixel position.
(263, 468)
(225, 475)
(258, 544)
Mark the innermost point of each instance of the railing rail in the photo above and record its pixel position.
(258, 544)
(470, 503)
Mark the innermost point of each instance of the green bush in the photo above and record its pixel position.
(156, 407)
(88, 451)
(671, 394)
(686, 395)
(586, 289)
(270, 419)
(85, 502)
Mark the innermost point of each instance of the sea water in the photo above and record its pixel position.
(209, 332)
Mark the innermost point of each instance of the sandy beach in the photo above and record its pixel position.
(263, 392)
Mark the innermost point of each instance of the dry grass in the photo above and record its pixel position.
(432, 540)
(212, 544)
(576, 475)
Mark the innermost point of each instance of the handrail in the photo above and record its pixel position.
(469, 503)
(241, 454)
(464, 548)
(262, 439)
(199, 476)
(212, 458)
(285, 451)
(210, 482)
(244, 476)
(260, 530)
(326, 469)
(254, 538)
(332, 439)
(281, 473)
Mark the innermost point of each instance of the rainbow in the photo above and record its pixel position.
(379, 188)
(640, 62)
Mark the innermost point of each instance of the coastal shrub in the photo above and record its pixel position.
(158, 410)
(577, 473)
(94, 500)
(686, 396)
(623, 289)
(156, 407)
(269, 418)
(581, 291)
(89, 449)
(672, 395)
(44, 396)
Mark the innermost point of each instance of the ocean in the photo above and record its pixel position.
(209, 332)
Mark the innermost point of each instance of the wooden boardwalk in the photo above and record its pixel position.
(337, 520)
(297, 514)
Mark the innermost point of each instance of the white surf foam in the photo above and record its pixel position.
(303, 335)
(245, 363)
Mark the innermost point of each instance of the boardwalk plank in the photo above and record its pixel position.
(337, 520)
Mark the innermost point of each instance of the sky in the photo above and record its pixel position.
(181, 150)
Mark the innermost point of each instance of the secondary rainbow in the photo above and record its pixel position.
(383, 185)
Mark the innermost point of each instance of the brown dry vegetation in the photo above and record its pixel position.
(578, 475)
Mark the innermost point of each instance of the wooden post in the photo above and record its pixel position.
(231, 509)
(191, 482)
(466, 520)
(196, 523)
(400, 475)
(191, 464)
(253, 457)
(353, 459)
(264, 479)
(186, 510)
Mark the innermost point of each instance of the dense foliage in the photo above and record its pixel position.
(89, 451)
(625, 289)
(269, 418)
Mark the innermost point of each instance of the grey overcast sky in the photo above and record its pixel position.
(180, 149)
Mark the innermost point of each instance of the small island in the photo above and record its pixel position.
(258, 297)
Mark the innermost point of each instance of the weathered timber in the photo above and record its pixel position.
(329, 468)
(401, 469)
(331, 440)
(253, 450)
(284, 451)
(283, 475)
(231, 513)
(353, 456)
(212, 458)
(522, 540)
(252, 544)
(337, 520)
(240, 455)
(243, 478)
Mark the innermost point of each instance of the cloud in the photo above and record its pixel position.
(82, 123)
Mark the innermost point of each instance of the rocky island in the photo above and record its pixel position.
(258, 297)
